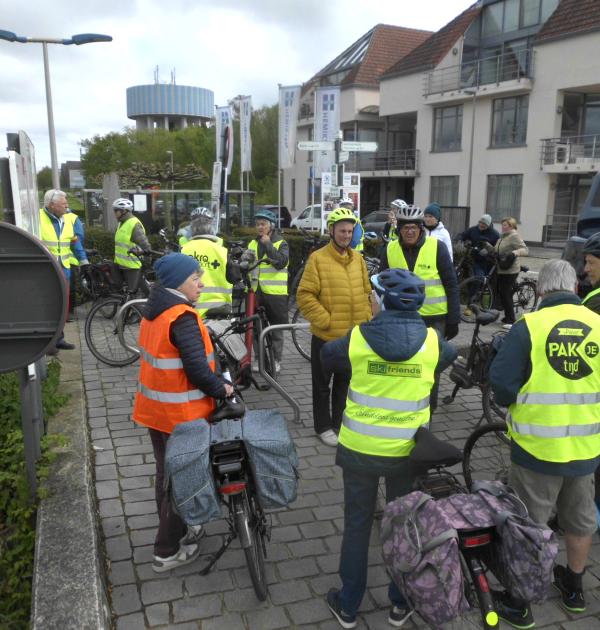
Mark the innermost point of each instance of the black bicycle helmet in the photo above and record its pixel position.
(401, 289)
(592, 245)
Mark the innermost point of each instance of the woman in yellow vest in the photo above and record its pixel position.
(177, 383)
(392, 360)
(272, 284)
(130, 234)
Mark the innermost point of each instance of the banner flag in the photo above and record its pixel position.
(245, 137)
(289, 103)
(327, 124)
(224, 131)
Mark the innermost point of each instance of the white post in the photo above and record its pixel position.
(51, 130)
(279, 154)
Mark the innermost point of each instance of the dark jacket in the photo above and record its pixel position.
(447, 275)
(477, 238)
(594, 302)
(511, 369)
(394, 336)
(185, 336)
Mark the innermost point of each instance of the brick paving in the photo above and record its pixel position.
(303, 553)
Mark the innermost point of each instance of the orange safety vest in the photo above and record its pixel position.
(165, 396)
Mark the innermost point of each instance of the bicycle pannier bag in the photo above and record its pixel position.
(420, 549)
(188, 473)
(271, 453)
(524, 552)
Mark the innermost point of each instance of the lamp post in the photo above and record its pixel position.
(173, 205)
(78, 40)
(473, 94)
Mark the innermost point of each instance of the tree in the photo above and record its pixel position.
(44, 178)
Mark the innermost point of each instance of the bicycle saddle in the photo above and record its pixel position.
(230, 408)
(430, 451)
(484, 317)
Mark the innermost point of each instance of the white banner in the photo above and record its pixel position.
(289, 102)
(327, 124)
(224, 130)
(331, 194)
(245, 137)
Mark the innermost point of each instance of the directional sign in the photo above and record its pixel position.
(315, 146)
(359, 146)
(344, 156)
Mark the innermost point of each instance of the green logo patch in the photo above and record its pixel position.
(382, 368)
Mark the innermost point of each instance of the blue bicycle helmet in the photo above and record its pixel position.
(401, 290)
(266, 214)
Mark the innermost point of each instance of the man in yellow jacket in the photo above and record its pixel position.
(333, 295)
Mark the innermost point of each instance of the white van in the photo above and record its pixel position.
(309, 218)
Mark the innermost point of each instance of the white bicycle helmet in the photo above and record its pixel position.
(122, 204)
(410, 214)
(398, 204)
(201, 211)
(346, 202)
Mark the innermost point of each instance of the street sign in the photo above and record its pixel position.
(315, 146)
(344, 156)
(359, 146)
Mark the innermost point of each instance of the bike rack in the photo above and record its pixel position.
(118, 319)
(261, 365)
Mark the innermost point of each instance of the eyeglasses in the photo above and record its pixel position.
(410, 228)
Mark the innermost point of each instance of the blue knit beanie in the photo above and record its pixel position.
(434, 210)
(174, 269)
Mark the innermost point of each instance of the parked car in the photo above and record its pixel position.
(285, 218)
(309, 218)
(374, 221)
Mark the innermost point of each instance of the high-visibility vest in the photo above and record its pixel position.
(72, 217)
(217, 291)
(387, 401)
(59, 247)
(123, 244)
(436, 302)
(556, 416)
(270, 280)
(165, 396)
(590, 295)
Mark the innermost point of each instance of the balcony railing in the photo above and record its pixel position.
(397, 160)
(509, 66)
(577, 151)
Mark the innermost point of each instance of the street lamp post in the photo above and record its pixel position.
(78, 40)
(173, 205)
(473, 94)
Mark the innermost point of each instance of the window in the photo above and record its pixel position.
(509, 121)
(511, 16)
(504, 196)
(317, 192)
(530, 12)
(294, 194)
(492, 19)
(447, 128)
(311, 137)
(444, 190)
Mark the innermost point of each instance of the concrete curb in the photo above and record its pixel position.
(69, 591)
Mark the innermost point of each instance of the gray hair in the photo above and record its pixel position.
(52, 194)
(556, 275)
(202, 225)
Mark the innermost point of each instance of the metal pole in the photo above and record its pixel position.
(279, 156)
(51, 130)
(470, 173)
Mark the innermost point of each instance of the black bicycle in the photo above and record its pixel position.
(487, 454)
(474, 370)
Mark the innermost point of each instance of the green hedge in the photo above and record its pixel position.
(17, 512)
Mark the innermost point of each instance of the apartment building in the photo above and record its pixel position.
(501, 110)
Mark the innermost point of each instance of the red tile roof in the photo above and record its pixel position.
(572, 17)
(433, 50)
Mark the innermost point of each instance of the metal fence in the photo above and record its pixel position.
(397, 160)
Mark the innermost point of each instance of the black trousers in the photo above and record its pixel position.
(506, 287)
(171, 529)
(328, 402)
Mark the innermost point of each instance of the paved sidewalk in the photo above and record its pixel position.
(303, 553)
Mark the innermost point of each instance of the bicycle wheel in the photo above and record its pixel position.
(486, 455)
(474, 291)
(301, 336)
(292, 304)
(249, 527)
(492, 411)
(101, 334)
(525, 297)
(129, 318)
(270, 358)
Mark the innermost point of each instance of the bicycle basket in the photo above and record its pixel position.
(234, 343)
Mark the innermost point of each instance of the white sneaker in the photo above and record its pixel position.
(507, 326)
(329, 438)
(185, 555)
(277, 366)
(193, 535)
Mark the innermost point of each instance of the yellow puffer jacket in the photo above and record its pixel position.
(333, 293)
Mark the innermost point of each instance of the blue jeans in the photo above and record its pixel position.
(360, 496)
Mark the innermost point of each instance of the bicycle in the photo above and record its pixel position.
(474, 371)
(481, 290)
(487, 454)
(101, 326)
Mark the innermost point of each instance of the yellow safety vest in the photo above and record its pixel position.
(436, 302)
(123, 243)
(72, 217)
(556, 417)
(387, 401)
(270, 280)
(60, 248)
(591, 295)
(217, 291)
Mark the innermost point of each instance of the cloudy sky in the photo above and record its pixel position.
(229, 46)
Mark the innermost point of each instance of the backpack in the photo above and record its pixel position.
(420, 549)
(524, 552)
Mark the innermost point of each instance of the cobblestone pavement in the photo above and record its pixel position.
(303, 553)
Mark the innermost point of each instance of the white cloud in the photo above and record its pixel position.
(229, 46)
